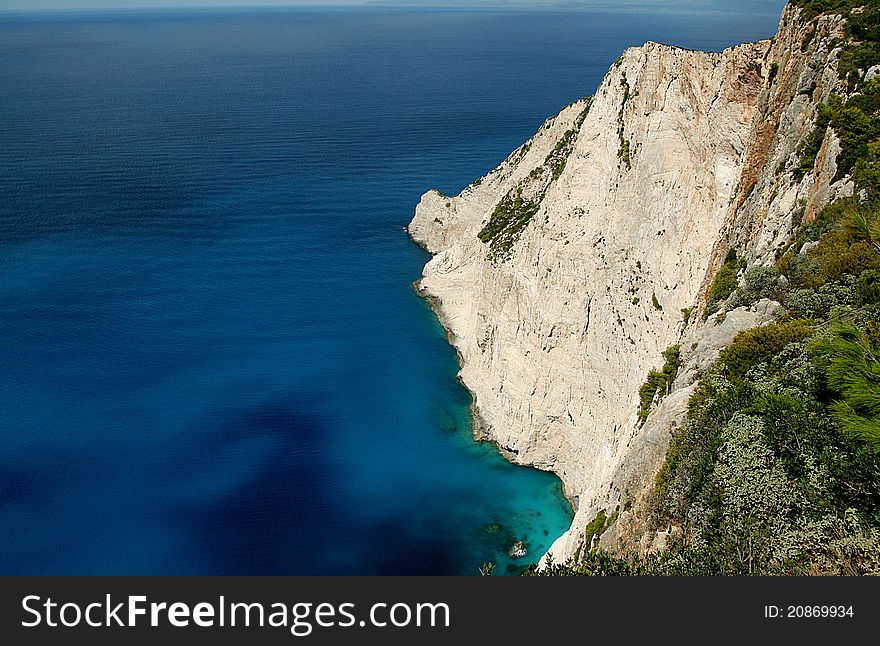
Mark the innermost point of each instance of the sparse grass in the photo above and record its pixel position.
(655, 302)
(624, 147)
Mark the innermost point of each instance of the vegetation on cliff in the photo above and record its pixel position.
(623, 150)
(776, 470)
(724, 284)
(659, 382)
(510, 217)
(514, 211)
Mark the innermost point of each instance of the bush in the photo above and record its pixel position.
(686, 315)
(595, 528)
(659, 381)
(724, 284)
(851, 365)
(758, 283)
(819, 303)
(513, 212)
(753, 346)
(507, 222)
(557, 157)
(776, 469)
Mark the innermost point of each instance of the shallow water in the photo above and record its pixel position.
(213, 358)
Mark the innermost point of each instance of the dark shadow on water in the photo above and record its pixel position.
(271, 523)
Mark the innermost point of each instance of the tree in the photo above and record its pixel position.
(849, 360)
(487, 568)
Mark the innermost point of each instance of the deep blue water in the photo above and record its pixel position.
(212, 357)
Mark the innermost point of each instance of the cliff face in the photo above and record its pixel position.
(562, 274)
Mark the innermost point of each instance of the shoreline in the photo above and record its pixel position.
(478, 435)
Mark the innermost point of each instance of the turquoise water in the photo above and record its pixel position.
(214, 361)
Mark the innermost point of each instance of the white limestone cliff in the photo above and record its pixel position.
(621, 209)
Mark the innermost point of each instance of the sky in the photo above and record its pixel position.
(762, 6)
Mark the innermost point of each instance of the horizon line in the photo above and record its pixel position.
(389, 4)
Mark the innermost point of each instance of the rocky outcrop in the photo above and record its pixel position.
(561, 275)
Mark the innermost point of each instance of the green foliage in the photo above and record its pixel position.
(857, 125)
(686, 315)
(486, 569)
(810, 147)
(777, 467)
(514, 212)
(762, 469)
(724, 284)
(758, 282)
(623, 150)
(507, 222)
(848, 246)
(855, 121)
(753, 346)
(846, 234)
(776, 470)
(557, 157)
(851, 364)
(812, 8)
(588, 564)
(655, 302)
(821, 302)
(864, 53)
(595, 528)
(866, 172)
(659, 381)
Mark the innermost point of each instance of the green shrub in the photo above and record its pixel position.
(851, 365)
(819, 303)
(595, 528)
(866, 172)
(758, 283)
(686, 315)
(847, 238)
(857, 125)
(623, 150)
(558, 157)
(753, 346)
(724, 284)
(812, 8)
(659, 381)
(514, 212)
(810, 147)
(507, 222)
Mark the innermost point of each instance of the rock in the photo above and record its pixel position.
(808, 246)
(676, 158)
(492, 528)
(517, 551)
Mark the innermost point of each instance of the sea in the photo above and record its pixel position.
(212, 358)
